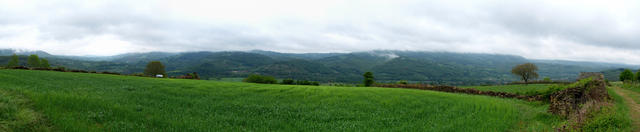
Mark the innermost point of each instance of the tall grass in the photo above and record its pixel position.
(95, 102)
(614, 118)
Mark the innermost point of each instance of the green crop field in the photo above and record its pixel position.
(512, 88)
(60, 101)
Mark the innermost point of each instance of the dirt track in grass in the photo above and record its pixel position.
(634, 107)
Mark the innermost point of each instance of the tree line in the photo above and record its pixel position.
(33, 61)
(526, 72)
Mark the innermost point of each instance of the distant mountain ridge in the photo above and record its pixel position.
(387, 66)
(8, 52)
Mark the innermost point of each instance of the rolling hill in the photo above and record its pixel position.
(388, 66)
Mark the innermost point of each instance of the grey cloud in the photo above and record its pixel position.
(485, 26)
(588, 27)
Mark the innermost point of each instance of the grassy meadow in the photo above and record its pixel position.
(512, 88)
(96, 102)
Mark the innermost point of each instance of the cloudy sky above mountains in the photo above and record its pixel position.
(607, 31)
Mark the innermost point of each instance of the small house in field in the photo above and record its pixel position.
(159, 76)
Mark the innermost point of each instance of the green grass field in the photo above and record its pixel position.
(94, 102)
(512, 88)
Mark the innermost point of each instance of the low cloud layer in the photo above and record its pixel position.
(606, 31)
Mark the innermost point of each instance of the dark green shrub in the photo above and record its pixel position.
(195, 76)
(288, 81)
(299, 82)
(368, 79)
(626, 76)
(112, 73)
(41, 68)
(190, 76)
(19, 67)
(60, 69)
(402, 82)
(260, 79)
(81, 71)
(303, 82)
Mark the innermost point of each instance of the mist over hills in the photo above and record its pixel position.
(6, 52)
(387, 66)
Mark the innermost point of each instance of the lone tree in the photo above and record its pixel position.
(44, 63)
(154, 68)
(33, 61)
(626, 76)
(368, 79)
(526, 71)
(13, 62)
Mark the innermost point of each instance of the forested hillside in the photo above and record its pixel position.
(387, 66)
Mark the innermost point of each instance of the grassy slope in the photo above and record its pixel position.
(511, 88)
(88, 102)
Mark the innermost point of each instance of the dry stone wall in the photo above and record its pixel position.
(568, 102)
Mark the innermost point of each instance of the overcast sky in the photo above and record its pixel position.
(606, 30)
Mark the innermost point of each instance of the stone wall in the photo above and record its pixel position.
(568, 102)
(452, 89)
